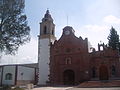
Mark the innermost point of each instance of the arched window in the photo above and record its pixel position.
(93, 72)
(113, 70)
(52, 32)
(101, 48)
(8, 76)
(45, 30)
(68, 61)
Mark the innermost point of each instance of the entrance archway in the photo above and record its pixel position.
(103, 73)
(68, 77)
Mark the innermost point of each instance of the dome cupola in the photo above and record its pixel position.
(47, 16)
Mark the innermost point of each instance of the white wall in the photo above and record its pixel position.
(9, 69)
(0, 75)
(25, 73)
(44, 60)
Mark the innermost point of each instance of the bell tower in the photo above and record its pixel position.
(46, 37)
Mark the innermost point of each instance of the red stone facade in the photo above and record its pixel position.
(71, 62)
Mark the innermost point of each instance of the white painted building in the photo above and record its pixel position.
(18, 74)
(46, 37)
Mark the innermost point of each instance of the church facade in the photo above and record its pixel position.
(67, 61)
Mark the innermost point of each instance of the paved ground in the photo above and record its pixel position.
(52, 88)
(95, 88)
(111, 84)
(94, 84)
(71, 88)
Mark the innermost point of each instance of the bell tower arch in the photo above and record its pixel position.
(47, 27)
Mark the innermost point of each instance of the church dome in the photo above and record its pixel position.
(68, 28)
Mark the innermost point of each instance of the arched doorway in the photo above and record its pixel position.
(68, 77)
(103, 73)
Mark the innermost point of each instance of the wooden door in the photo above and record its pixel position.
(103, 73)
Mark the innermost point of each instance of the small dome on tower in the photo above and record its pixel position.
(47, 16)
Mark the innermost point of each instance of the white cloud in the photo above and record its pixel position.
(111, 19)
(26, 54)
(95, 28)
(94, 33)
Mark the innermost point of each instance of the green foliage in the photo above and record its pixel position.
(14, 30)
(113, 39)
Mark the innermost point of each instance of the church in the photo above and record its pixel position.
(68, 60)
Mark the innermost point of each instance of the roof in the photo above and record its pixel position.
(32, 65)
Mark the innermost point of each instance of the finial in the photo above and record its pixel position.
(47, 10)
(100, 42)
(67, 19)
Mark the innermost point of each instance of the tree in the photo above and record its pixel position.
(14, 30)
(113, 39)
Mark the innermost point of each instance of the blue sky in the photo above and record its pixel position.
(80, 13)
(89, 18)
